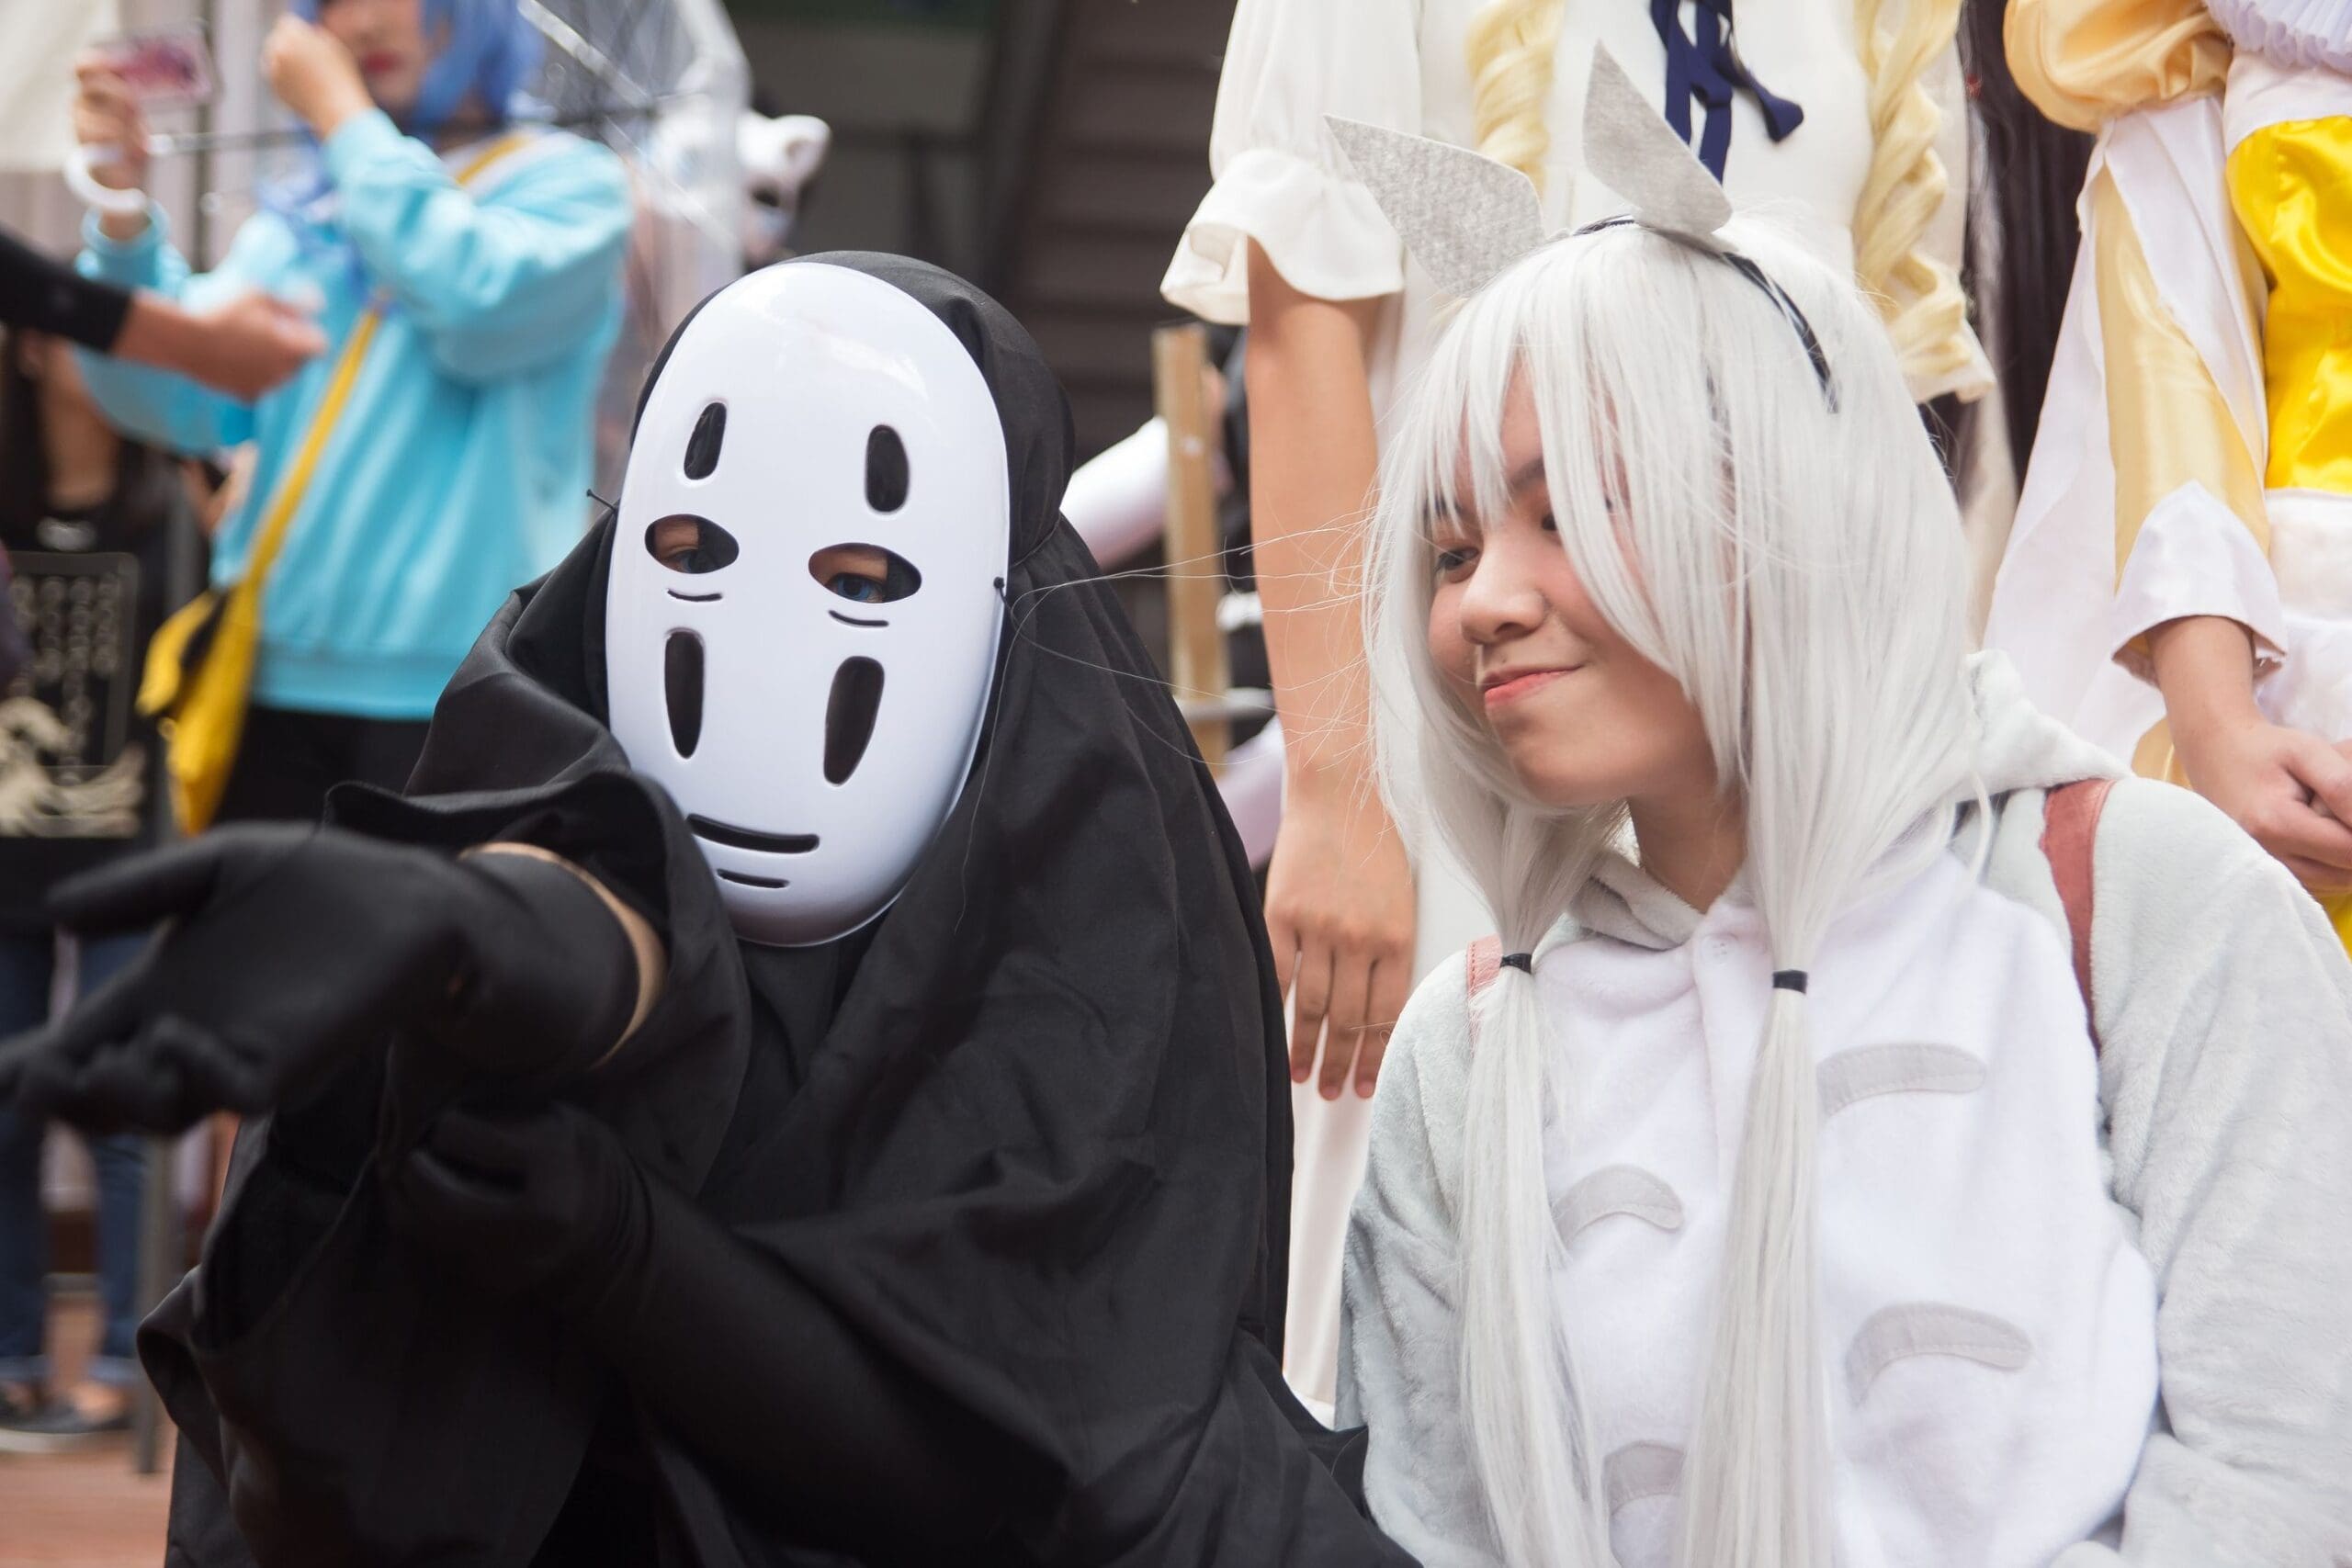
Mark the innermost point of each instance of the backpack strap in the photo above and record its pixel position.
(2069, 827)
(1485, 960)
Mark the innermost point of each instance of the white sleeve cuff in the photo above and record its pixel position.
(2194, 557)
(1325, 234)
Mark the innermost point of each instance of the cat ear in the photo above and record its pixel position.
(1630, 149)
(1463, 216)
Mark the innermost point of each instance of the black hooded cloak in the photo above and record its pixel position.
(1027, 1136)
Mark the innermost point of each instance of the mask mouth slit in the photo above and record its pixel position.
(736, 838)
(849, 716)
(682, 684)
(746, 880)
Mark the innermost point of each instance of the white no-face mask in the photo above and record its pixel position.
(815, 733)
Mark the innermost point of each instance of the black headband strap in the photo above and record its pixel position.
(1780, 296)
(1756, 274)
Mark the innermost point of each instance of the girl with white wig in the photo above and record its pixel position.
(1875, 1144)
(1846, 119)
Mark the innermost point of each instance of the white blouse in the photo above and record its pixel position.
(1401, 63)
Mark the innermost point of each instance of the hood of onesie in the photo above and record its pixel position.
(2018, 747)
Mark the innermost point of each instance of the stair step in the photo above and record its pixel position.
(1110, 47)
(1196, 28)
(1138, 110)
(1155, 194)
(1100, 347)
(1083, 269)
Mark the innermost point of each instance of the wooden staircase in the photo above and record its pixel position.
(1096, 139)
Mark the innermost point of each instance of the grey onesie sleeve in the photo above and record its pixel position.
(2224, 1011)
(1399, 1348)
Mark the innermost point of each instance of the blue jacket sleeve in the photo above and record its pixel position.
(161, 407)
(504, 282)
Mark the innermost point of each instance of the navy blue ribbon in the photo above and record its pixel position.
(1707, 67)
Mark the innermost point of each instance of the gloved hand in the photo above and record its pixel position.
(292, 948)
(727, 1349)
(545, 1204)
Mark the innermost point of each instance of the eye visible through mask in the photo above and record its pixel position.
(865, 574)
(690, 544)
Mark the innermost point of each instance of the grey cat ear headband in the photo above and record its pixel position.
(1467, 217)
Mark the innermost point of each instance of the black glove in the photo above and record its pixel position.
(292, 949)
(719, 1340)
(545, 1204)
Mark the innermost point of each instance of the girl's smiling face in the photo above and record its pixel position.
(1584, 719)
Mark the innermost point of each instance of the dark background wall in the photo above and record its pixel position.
(1051, 150)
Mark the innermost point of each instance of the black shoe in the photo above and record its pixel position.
(20, 1402)
(61, 1427)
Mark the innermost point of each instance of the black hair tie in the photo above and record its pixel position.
(1789, 980)
(1522, 961)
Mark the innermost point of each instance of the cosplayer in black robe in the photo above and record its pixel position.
(958, 1239)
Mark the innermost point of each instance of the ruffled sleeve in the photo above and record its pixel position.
(1280, 180)
(2310, 33)
(2085, 62)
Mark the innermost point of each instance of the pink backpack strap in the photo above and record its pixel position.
(2069, 830)
(1486, 959)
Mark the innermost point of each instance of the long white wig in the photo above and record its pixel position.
(1791, 555)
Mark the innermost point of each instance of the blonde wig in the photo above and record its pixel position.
(1513, 48)
(1920, 297)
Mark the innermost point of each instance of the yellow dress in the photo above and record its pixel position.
(2290, 184)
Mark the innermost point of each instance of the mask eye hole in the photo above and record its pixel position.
(690, 544)
(863, 574)
(702, 447)
(885, 470)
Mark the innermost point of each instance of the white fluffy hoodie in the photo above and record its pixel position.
(2055, 1283)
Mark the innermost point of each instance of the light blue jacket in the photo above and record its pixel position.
(458, 468)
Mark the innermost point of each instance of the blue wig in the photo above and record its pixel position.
(487, 51)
